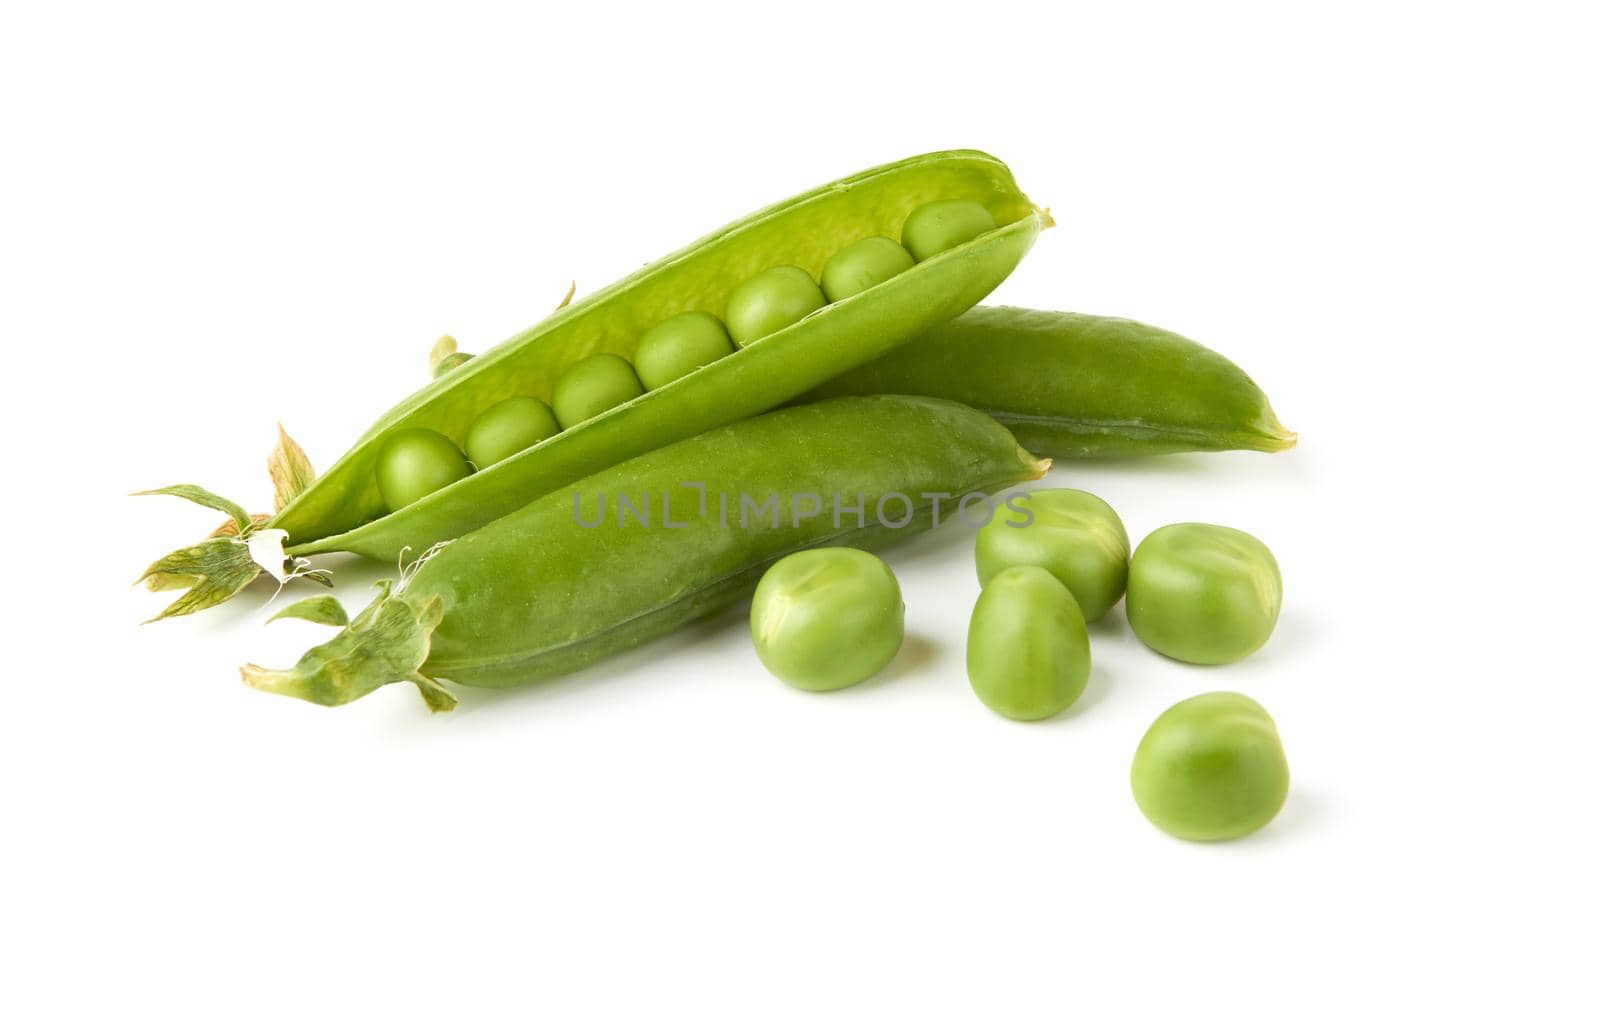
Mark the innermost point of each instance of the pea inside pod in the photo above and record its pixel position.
(862, 265)
(942, 225)
(771, 301)
(676, 347)
(415, 463)
(507, 428)
(593, 386)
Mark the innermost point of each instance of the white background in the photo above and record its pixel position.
(217, 217)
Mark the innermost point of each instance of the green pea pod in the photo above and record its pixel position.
(1078, 386)
(342, 510)
(667, 537)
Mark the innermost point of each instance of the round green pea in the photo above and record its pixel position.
(1203, 594)
(675, 347)
(1027, 647)
(593, 386)
(944, 224)
(864, 264)
(416, 462)
(1071, 534)
(827, 618)
(1211, 768)
(507, 428)
(769, 301)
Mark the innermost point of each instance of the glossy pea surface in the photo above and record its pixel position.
(944, 224)
(507, 428)
(593, 386)
(675, 347)
(1203, 594)
(1072, 534)
(416, 462)
(862, 265)
(1027, 646)
(771, 301)
(827, 618)
(1211, 768)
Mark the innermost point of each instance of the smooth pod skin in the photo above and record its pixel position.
(416, 462)
(1071, 534)
(1077, 386)
(770, 301)
(862, 265)
(1203, 594)
(827, 618)
(507, 428)
(944, 224)
(677, 346)
(1027, 646)
(510, 614)
(1211, 768)
(592, 387)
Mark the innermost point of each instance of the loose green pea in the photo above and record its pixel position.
(1071, 534)
(416, 462)
(827, 618)
(944, 224)
(675, 347)
(1211, 768)
(1203, 594)
(1027, 647)
(769, 301)
(864, 264)
(593, 386)
(507, 428)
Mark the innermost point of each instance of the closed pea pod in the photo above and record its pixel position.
(497, 607)
(1211, 769)
(1070, 385)
(343, 510)
(1027, 647)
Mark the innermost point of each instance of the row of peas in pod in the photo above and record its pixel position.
(1050, 563)
(415, 462)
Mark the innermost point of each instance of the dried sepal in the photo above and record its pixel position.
(290, 470)
(214, 571)
(316, 609)
(200, 496)
(387, 643)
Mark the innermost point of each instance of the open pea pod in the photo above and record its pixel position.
(343, 511)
